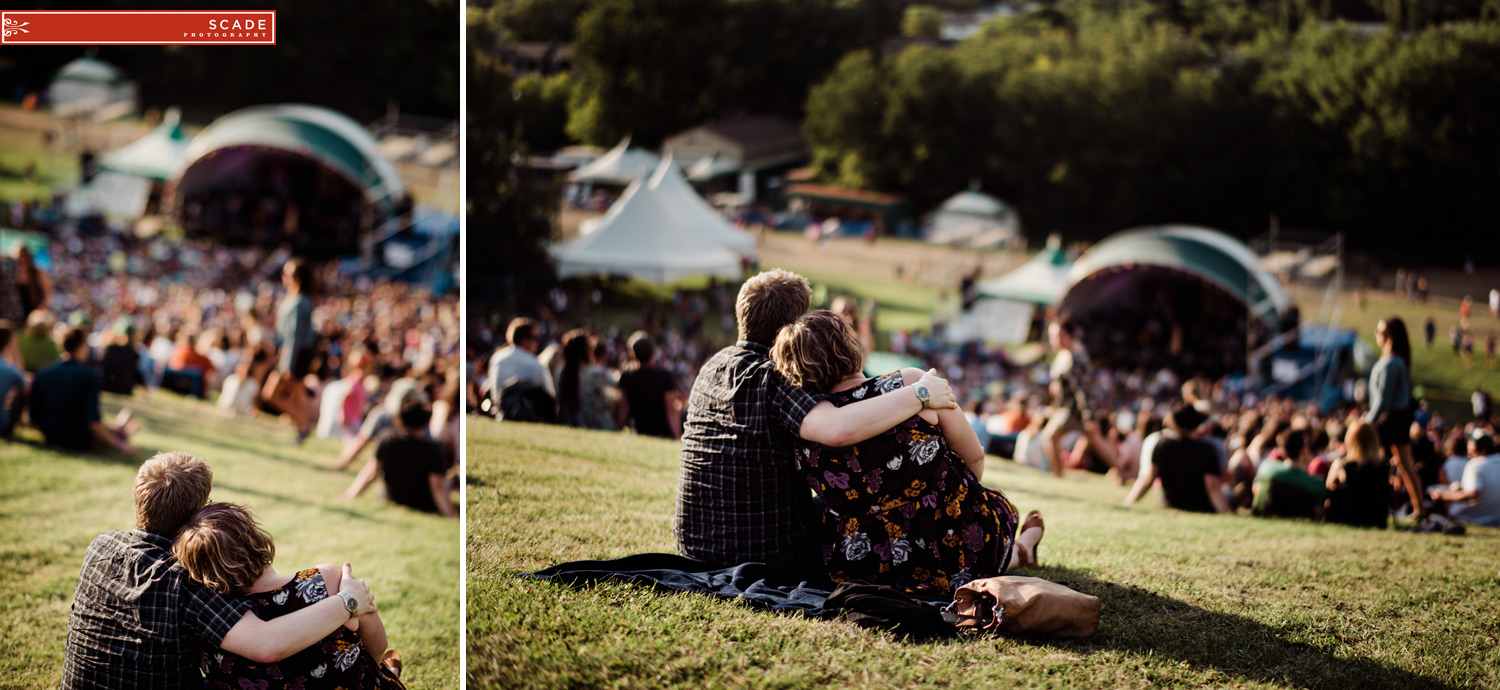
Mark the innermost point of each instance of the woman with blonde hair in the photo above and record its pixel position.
(905, 508)
(224, 548)
(1359, 482)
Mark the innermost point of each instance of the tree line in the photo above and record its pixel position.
(1378, 118)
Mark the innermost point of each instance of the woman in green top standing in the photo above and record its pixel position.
(297, 342)
(1390, 403)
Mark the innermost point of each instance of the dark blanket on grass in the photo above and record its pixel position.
(762, 586)
(758, 584)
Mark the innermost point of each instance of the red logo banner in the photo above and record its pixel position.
(139, 27)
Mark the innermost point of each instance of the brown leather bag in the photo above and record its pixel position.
(1016, 605)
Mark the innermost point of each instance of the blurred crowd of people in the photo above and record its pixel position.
(334, 352)
(1211, 444)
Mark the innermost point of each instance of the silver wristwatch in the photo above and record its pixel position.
(350, 603)
(924, 395)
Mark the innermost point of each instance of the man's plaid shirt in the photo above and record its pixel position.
(739, 496)
(138, 621)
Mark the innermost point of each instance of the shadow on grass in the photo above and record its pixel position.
(1143, 623)
(286, 498)
(228, 441)
(33, 438)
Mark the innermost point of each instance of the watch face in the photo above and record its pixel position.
(922, 391)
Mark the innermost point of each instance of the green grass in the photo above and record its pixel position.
(52, 171)
(1447, 381)
(53, 504)
(1189, 600)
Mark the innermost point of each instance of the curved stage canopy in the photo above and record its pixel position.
(1208, 255)
(292, 173)
(323, 135)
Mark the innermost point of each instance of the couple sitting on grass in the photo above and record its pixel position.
(192, 588)
(894, 462)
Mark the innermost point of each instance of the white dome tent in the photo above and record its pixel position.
(975, 219)
(87, 86)
(621, 165)
(641, 239)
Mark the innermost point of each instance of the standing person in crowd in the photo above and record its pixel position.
(516, 376)
(1494, 303)
(1358, 483)
(296, 343)
(584, 387)
(65, 403)
(1187, 465)
(653, 400)
(1455, 337)
(12, 389)
(1429, 330)
(1070, 383)
(1284, 488)
(1391, 405)
(409, 461)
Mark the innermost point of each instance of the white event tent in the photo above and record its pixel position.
(1007, 305)
(160, 155)
(620, 165)
(691, 212)
(642, 239)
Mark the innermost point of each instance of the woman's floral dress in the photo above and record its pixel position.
(902, 510)
(338, 661)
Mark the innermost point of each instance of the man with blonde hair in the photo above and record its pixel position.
(138, 621)
(740, 498)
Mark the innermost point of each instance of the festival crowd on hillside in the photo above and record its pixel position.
(1210, 444)
(336, 353)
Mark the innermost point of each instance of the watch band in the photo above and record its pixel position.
(923, 395)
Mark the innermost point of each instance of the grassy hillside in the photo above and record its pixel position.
(53, 504)
(1189, 600)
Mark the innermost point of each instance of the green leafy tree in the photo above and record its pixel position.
(510, 209)
(922, 21)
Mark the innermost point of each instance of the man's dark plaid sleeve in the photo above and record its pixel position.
(209, 614)
(789, 405)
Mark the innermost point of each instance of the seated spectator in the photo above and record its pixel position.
(1284, 488)
(121, 362)
(186, 356)
(65, 403)
(1476, 497)
(38, 349)
(584, 386)
(12, 389)
(1031, 448)
(653, 400)
(377, 421)
(242, 388)
(409, 461)
(1359, 483)
(1456, 448)
(516, 365)
(1187, 465)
